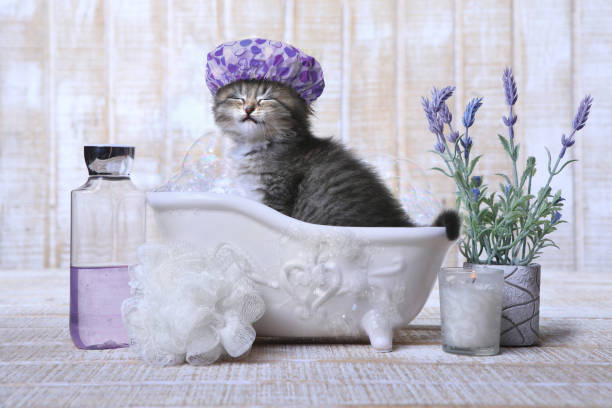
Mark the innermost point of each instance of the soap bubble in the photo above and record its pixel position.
(204, 155)
(208, 167)
(205, 168)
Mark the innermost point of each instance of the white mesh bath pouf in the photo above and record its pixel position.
(189, 305)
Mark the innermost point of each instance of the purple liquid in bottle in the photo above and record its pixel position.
(96, 295)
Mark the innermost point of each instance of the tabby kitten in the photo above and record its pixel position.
(281, 164)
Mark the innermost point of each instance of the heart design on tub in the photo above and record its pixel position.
(311, 285)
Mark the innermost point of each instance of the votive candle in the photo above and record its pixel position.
(470, 309)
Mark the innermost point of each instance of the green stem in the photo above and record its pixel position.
(532, 214)
(467, 165)
(541, 199)
(529, 184)
(514, 157)
(523, 250)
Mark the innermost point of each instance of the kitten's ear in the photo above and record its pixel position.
(223, 93)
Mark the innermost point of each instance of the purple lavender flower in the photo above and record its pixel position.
(511, 97)
(436, 126)
(439, 96)
(509, 87)
(439, 147)
(583, 112)
(470, 111)
(426, 106)
(475, 193)
(453, 136)
(579, 122)
(507, 190)
(466, 142)
(445, 114)
(567, 142)
(477, 180)
(556, 217)
(509, 121)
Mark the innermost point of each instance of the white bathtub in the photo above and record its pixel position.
(316, 281)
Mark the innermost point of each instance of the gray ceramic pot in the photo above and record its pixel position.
(520, 324)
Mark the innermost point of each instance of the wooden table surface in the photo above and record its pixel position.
(39, 366)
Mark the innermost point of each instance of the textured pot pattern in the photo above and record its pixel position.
(520, 325)
(521, 305)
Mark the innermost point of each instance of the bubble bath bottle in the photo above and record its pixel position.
(107, 227)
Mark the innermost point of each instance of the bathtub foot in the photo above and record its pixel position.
(378, 329)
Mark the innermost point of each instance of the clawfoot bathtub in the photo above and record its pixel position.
(316, 281)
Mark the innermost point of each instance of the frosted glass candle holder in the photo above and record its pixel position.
(470, 309)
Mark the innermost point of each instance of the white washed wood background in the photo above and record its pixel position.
(76, 72)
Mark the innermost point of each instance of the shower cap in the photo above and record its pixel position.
(258, 58)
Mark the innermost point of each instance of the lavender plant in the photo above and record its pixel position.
(510, 226)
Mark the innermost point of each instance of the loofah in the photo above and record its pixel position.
(189, 305)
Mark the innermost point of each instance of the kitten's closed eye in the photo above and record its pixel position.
(260, 101)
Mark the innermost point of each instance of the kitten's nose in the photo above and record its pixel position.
(248, 109)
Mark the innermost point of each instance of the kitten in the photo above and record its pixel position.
(287, 168)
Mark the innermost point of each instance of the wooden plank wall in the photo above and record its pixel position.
(94, 71)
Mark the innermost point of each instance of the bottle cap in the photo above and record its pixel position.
(109, 160)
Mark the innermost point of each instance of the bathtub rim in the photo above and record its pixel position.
(172, 201)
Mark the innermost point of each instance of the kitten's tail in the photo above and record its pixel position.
(449, 219)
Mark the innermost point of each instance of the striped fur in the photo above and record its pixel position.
(308, 178)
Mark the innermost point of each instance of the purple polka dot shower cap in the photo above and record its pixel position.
(257, 58)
